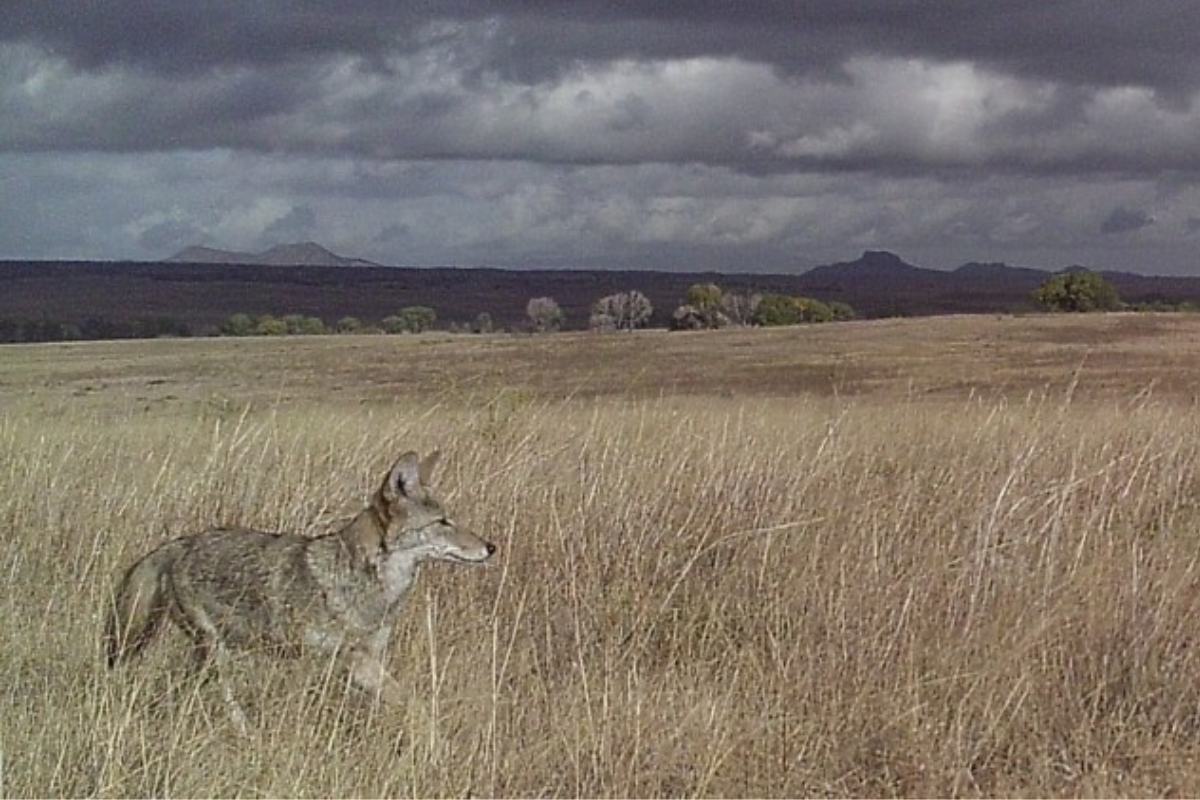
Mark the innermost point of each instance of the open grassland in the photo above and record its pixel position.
(953, 557)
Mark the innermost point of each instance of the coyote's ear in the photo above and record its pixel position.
(428, 464)
(405, 478)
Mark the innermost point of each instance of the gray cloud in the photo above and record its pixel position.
(768, 86)
(1149, 43)
(1125, 220)
(169, 235)
(298, 224)
(645, 133)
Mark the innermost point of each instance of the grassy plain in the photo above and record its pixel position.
(955, 556)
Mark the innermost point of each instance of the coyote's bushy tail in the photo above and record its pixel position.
(139, 604)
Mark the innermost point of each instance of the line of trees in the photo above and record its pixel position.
(411, 319)
(708, 306)
(50, 330)
(704, 306)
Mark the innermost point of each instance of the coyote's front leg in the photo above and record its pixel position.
(368, 671)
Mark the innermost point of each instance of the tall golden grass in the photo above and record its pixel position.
(731, 593)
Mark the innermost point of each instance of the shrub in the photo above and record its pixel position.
(238, 325)
(348, 325)
(688, 317)
(740, 307)
(267, 325)
(841, 311)
(781, 309)
(705, 297)
(701, 309)
(300, 325)
(810, 310)
(412, 319)
(545, 314)
(622, 311)
(418, 318)
(776, 309)
(1078, 292)
(602, 323)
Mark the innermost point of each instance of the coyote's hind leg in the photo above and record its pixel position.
(210, 654)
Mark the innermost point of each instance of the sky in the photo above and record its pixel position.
(757, 136)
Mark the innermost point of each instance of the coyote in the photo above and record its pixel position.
(237, 588)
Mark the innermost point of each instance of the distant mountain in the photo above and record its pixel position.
(998, 270)
(1000, 275)
(300, 254)
(880, 283)
(873, 264)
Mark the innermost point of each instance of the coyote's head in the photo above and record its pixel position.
(415, 523)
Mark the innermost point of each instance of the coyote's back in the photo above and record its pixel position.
(236, 588)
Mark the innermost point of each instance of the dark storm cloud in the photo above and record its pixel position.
(170, 235)
(575, 131)
(296, 225)
(195, 37)
(880, 84)
(1125, 220)
(1149, 43)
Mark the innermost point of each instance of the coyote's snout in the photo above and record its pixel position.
(236, 588)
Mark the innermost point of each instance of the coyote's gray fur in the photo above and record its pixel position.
(236, 588)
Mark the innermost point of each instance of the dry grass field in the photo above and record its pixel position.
(954, 556)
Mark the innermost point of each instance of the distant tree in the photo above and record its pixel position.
(544, 313)
(300, 325)
(483, 323)
(238, 325)
(418, 318)
(776, 309)
(1080, 291)
(740, 307)
(688, 317)
(267, 325)
(810, 310)
(622, 311)
(704, 296)
(393, 324)
(841, 311)
(348, 325)
(601, 322)
(701, 309)
(781, 309)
